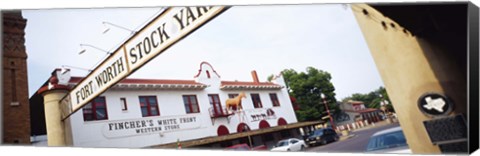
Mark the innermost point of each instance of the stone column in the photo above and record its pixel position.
(52, 94)
(411, 66)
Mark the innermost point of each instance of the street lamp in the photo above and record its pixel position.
(88, 45)
(383, 106)
(108, 28)
(328, 111)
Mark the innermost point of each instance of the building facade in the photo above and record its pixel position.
(355, 111)
(157, 112)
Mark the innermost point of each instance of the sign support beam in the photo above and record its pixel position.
(165, 30)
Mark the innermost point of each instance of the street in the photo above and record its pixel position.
(356, 144)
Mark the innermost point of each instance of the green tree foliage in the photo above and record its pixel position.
(306, 88)
(372, 99)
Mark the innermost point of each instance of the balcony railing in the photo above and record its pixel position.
(219, 113)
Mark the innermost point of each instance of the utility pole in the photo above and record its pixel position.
(328, 111)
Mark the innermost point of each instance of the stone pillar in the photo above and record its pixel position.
(411, 66)
(52, 94)
(55, 126)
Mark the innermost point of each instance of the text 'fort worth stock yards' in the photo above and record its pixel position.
(162, 32)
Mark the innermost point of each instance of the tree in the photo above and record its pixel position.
(306, 87)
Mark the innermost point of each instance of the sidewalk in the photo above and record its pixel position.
(377, 124)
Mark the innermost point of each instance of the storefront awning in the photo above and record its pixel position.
(213, 139)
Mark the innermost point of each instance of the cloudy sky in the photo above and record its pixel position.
(267, 38)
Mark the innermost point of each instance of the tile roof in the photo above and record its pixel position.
(235, 85)
(226, 83)
(146, 81)
(151, 84)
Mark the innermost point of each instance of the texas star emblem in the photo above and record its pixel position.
(436, 104)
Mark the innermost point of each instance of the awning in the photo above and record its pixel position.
(213, 139)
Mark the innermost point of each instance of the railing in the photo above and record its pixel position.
(222, 113)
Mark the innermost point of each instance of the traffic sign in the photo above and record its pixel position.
(159, 34)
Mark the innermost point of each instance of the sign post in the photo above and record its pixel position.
(162, 32)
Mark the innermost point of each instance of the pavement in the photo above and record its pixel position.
(377, 124)
(346, 137)
(355, 142)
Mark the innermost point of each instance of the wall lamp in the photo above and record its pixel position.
(88, 45)
(67, 66)
(108, 28)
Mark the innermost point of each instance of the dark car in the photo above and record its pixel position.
(322, 136)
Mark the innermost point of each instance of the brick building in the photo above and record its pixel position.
(15, 107)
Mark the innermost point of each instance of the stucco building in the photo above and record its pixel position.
(354, 111)
(193, 113)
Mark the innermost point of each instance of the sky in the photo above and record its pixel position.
(267, 38)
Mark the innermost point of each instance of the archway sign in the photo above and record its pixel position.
(166, 29)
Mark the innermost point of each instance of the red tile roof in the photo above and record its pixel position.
(237, 85)
(145, 81)
(228, 85)
(240, 83)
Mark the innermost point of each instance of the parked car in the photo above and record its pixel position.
(292, 144)
(390, 140)
(245, 147)
(322, 136)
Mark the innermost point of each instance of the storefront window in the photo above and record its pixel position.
(256, 101)
(215, 103)
(191, 104)
(149, 106)
(95, 110)
(231, 96)
(274, 99)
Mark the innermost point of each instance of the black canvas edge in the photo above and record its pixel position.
(473, 78)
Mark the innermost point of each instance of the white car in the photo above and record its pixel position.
(390, 140)
(292, 144)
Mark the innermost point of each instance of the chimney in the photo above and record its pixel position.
(255, 77)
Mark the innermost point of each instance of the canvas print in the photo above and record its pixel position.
(337, 78)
